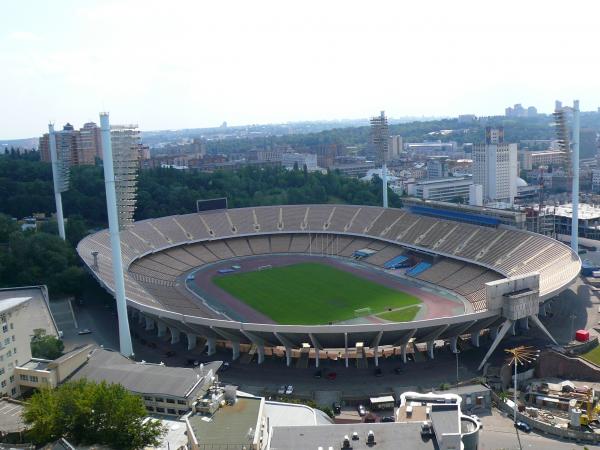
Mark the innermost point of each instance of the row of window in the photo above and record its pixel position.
(32, 378)
(180, 412)
(9, 354)
(162, 400)
(5, 328)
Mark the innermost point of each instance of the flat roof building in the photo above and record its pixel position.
(450, 189)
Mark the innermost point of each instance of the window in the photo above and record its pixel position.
(7, 341)
(181, 412)
(12, 379)
(23, 377)
(13, 391)
(33, 378)
(150, 408)
(160, 410)
(159, 399)
(9, 354)
(171, 411)
(148, 399)
(181, 402)
(15, 351)
(3, 384)
(2, 371)
(170, 400)
(12, 326)
(13, 338)
(4, 328)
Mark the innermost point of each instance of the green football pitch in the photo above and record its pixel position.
(312, 294)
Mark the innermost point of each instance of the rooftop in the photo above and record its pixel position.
(10, 303)
(233, 425)
(38, 312)
(388, 436)
(144, 378)
(10, 416)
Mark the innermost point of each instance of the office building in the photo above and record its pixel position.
(431, 148)
(308, 160)
(450, 189)
(22, 310)
(495, 167)
(529, 159)
(437, 167)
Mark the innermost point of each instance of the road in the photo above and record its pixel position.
(499, 433)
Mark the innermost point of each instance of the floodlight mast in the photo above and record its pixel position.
(125, 344)
(57, 181)
(575, 189)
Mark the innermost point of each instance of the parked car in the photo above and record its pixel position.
(318, 374)
(523, 426)
(337, 408)
(362, 411)
(289, 390)
(388, 419)
(281, 389)
(84, 331)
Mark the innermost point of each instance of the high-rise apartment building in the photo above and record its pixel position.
(495, 167)
(80, 147)
(395, 146)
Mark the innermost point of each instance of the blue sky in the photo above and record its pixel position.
(181, 64)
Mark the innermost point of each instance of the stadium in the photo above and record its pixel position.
(331, 281)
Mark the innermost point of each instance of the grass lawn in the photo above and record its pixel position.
(310, 293)
(593, 356)
(401, 315)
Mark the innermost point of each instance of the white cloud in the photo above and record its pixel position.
(23, 36)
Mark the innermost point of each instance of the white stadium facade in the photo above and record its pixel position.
(503, 275)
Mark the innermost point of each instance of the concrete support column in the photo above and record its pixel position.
(346, 349)
(149, 323)
(513, 328)
(174, 335)
(288, 356)
(261, 353)
(235, 348)
(191, 340)
(430, 347)
(524, 323)
(542, 312)
(317, 353)
(211, 343)
(403, 351)
(453, 344)
(376, 354)
(475, 338)
(494, 332)
(162, 328)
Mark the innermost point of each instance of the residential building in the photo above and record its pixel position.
(519, 111)
(22, 310)
(431, 148)
(78, 147)
(467, 118)
(495, 167)
(395, 147)
(451, 189)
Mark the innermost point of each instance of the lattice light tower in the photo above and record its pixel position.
(380, 140)
(120, 149)
(61, 162)
(571, 149)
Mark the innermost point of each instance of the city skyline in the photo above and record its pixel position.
(195, 66)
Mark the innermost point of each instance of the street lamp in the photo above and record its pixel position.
(520, 355)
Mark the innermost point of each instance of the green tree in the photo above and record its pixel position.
(91, 413)
(45, 346)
